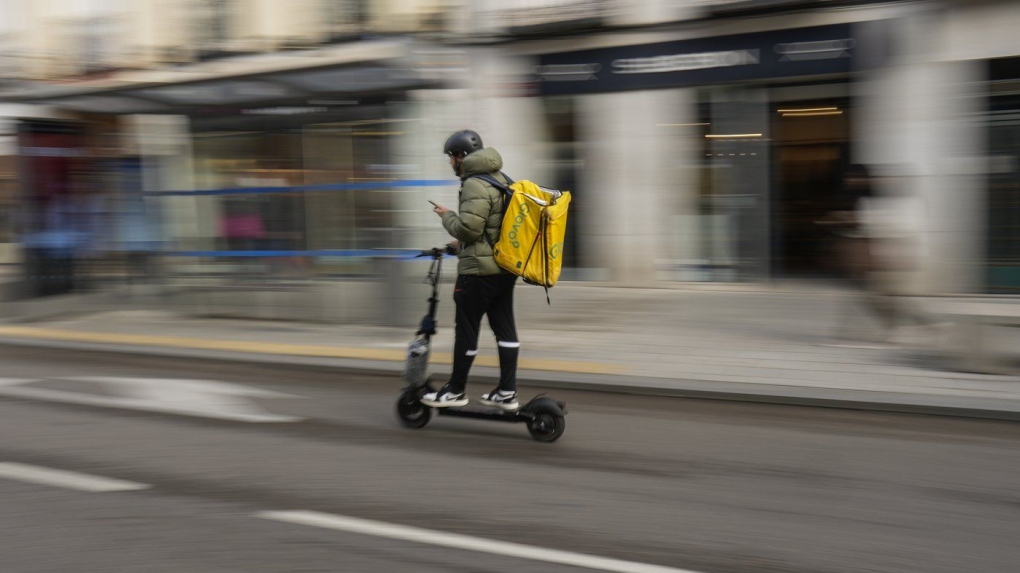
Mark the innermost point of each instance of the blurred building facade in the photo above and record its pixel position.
(703, 140)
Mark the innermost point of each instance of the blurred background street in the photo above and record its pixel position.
(783, 211)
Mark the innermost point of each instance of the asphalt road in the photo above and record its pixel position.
(694, 485)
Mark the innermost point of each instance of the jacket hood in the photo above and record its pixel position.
(481, 162)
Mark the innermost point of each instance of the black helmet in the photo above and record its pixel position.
(466, 142)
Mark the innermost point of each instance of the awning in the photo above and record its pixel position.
(251, 83)
(761, 7)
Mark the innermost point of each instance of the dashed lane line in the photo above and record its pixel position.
(182, 397)
(98, 484)
(462, 542)
(66, 479)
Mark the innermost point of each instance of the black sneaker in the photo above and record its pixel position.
(444, 398)
(502, 399)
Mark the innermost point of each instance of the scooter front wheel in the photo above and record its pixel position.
(411, 412)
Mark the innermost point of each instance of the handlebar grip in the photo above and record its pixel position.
(434, 253)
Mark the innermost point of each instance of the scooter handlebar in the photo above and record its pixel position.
(438, 252)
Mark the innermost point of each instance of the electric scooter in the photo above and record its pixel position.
(544, 416)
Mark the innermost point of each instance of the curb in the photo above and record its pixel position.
(895, 402)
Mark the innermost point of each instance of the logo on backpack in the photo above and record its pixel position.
(522, 215)
(555, 251)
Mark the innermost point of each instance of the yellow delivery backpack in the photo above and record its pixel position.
(530, 243)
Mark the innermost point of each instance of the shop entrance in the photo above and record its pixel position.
(811, 146)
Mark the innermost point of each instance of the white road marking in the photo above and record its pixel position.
(66, 479)
(463, 542)
(200, 398)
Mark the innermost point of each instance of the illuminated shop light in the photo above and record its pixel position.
(808, 109)
(812, 113)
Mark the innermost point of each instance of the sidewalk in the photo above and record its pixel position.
(751, 345)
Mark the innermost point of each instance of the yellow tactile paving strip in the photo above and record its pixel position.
(290, 349)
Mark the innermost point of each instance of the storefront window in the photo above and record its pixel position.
(344, 18)
(770, 172)
(8, 197)
(566, 161)
(312, 199)
(257, 221)
(1004, 194)
(8, 210)
(211, 23)
(735, 184)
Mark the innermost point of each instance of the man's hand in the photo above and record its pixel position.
(440, 210)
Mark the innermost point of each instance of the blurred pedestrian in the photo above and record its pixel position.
(876, 244)
(482, 288)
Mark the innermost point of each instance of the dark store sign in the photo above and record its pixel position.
(764, 55)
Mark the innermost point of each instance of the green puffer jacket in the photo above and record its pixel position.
(481, 214)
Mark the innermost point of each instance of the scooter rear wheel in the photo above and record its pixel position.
(411, 412)
(547, 424)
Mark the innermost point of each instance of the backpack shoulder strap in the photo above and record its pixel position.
(488, 178)
(504, 188)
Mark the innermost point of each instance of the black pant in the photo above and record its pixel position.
(491, 295)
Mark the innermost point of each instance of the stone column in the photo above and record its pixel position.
(918, 116)
(636, 177)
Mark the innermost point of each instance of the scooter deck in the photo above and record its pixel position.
(484, 413)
